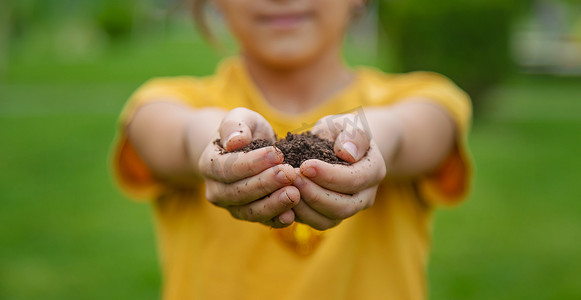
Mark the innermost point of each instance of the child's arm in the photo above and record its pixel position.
(414, 136)
(177, 144)
(409, 139)
(170, 138)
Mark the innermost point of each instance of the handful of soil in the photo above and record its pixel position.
(298, 148)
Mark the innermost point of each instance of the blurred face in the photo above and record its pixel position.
(288, 33)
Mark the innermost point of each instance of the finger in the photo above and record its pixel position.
(264, 210)
(351, 144)
(327, 127)
(350, 136)
(230, 167)
(249, 189)
(347, 179)
(306, 215)
(331, 204)
(240, 126)
(287, 217)
(235, 134)
(283, 220)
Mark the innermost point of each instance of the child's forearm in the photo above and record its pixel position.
(170, 138)
(414, 137)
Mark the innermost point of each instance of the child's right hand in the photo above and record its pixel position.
(253, 186)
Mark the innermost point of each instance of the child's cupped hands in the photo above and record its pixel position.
(253, 186)
(331, 193)
(256, 186)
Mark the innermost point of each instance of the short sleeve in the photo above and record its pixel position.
(450, 182)
(131, 173)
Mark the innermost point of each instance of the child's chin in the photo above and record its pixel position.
(284, 51)
(286, 59)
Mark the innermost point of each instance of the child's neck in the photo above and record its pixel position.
(300, 89)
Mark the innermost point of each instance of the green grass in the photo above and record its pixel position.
(518, 236)
(67, 233)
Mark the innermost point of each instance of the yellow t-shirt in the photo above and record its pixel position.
(379, 253)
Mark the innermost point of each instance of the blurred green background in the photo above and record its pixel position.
(66, 68)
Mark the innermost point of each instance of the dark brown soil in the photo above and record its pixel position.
(298, 148)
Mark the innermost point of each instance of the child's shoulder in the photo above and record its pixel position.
(384, 88)
(378, 77)
(174, 82)
(193, 90)
(190, 83)
(190, 90)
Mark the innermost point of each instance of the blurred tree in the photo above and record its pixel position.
(15, 18)
(467, 41)
(117, 18)
(19, 16)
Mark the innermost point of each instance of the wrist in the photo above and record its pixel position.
(387, 133)
(394, 137)
(200, 130)
(189, 147)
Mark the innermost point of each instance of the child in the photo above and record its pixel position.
(244, 225)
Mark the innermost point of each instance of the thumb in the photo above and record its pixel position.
(351, 144)
(351, 140)
(235, 135)
(240, 126)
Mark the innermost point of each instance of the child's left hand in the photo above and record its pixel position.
(331, 192)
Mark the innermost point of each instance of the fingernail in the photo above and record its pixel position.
(310, 172)
(284, 198)
(274, 157)
(282, 177)
(351, 149)
(298, 182)
(232, 135)
(283, 221)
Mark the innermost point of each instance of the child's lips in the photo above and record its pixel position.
(284, 21)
